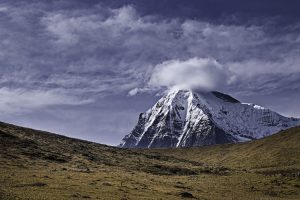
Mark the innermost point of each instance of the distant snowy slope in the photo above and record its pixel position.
(185, 118)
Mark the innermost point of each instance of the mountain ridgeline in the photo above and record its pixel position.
(185, 118)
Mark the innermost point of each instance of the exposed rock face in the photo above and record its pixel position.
(185, 119)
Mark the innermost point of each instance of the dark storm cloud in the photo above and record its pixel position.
(63, 56)
(236, 10)
(221, 11)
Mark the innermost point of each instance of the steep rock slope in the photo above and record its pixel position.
(185, 118)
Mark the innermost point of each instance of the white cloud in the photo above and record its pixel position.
(21, 100)
(70, 28)
(194, 73)
(3, 8)
(137, 90)
(124, 16)
(133, 92)
(254, 67)
(63, 28)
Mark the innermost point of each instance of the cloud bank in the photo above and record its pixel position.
(14, 101)
(98, 51)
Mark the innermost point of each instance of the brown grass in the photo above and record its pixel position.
(40, 165)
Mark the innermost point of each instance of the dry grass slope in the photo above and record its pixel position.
(279, 150)
(41, 165)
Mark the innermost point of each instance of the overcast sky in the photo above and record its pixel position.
(86, 69)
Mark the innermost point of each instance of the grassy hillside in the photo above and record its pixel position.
(41, 165)
(280, 151)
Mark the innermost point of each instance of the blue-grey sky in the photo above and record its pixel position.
(86, 69)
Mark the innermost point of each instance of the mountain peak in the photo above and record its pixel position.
(184, 118)
(180, 93)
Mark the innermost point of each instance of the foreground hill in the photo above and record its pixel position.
(185, 118)
(279, 150)
(41, 165)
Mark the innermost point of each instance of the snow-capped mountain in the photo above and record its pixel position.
(185, 118)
